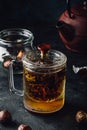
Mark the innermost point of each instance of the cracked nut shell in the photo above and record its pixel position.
(81, 117)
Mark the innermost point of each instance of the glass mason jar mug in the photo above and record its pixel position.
(13, 43)
(43, 81)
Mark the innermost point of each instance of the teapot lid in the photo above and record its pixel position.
(80, 10)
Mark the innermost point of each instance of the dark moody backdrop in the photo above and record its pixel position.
(23, 13)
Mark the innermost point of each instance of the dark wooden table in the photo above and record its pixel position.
(76, 90)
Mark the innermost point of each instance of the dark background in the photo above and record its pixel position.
(39, 16)
(24, 13)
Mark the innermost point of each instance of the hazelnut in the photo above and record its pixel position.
(81, 117)
(5, 116)
(20, 55)
(24, 127)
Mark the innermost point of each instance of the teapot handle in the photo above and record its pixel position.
(69, 8)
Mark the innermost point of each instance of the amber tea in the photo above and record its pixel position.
(44, 81)
(44, 92)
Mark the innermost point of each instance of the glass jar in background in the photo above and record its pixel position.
(14, 43)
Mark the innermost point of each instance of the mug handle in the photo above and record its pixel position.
(11, 81)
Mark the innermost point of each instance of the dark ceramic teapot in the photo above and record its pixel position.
(72, 27)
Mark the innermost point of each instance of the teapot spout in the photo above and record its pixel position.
(66, 30)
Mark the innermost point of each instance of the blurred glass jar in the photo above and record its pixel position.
(14, 43)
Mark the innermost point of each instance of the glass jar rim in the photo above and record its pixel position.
(15, 31)
(60, 61)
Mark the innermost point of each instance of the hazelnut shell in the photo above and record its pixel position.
(24, 127)
(81, 117)
(5, 116)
